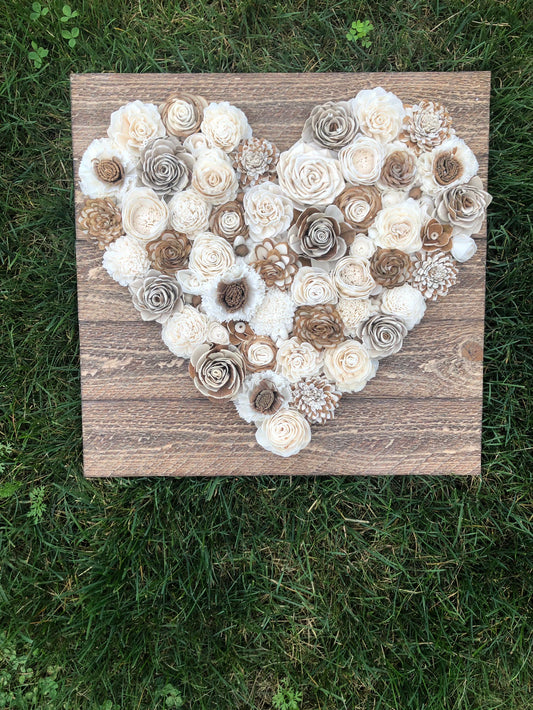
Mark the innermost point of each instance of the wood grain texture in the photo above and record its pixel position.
(421, 414)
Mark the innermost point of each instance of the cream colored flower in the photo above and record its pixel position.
(182, 113)
(196, 144)
(380, 113)
(267, 211)
(297, 360)
(225, 126)
(362, 247)
(189, 212)
(214, 178)
(216, 333)
(185, 330)
(285, 433)
(310, 176)
(463, 248)
(106, 170)
(263, 394)
(144, 214)
(449, 164)
(399, 226)
(349, 365)
(405, 302)
(274, 315)
(354, 311)
(210, 256)
(134, 124)
(362, 160)
(259, 352)
(312, 287)
(352, 278)
(126, 260)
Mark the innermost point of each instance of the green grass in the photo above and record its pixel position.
(363, 594)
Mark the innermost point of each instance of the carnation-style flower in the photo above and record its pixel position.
(182, 113)
(399, 227)
(106, 170)
(383, 335)
(319, 325)
(228, 221)
(310, 176)
(217, 370)
(156, 296)
(362, 160)
(390, 267)
(355, 311)
(463, 248)
(169, 252)
(349, 365)
(405, 302)
(352, 278)
(296, 359)
(362, 247)
(433, 273)
(196, 144)
(165, 165)
(259, 353)
(210, 256)
(380, 113)
(321, 235)
(101, 220)
(189, 212)
(437, 236)
(359, 204)
(463, 206)
(134, 124)
(144, 214)
(126, 260)
(426, 125)
(449, 164)
(214, 178)
(225, 126)
(184, 331)
(312, 286)
(274, 315)
(234, 295)
(331, 125)
(255, 161)
(263, 394)
(316, 398)
(285, 433)
(276, 263)
(268, 212)
(399, 167)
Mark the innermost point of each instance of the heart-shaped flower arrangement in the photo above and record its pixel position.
(283, 278)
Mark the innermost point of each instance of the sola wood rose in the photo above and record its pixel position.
(284, 278)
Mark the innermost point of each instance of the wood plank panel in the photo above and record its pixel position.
(421, 414)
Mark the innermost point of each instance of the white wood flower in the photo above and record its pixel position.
(399, 226)
(310, 176)
(285, 433)
(379, 113)
(225, 126)
(134, 124)
(362, 160)
(144, 214)
(349, 365)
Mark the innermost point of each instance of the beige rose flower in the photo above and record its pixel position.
(196, 144)
(399, 226)
(210, 256)
(214, 178)
(464, 207)
(285, 433)
(228, 221)
(380, 113)
(134, 124)
(383, 335)
(349, 365)
(321, 235)
(312, 287)
(362, 160)
(448, 165)
(359, 204)
(165, 165)
(225, 126)
(217, 333)
(362, 247)
(267, 211)
(405, 302)
(156, 296)
(259, 352)
(189, 212)
(310, 176)
(182, 113)
(185, 330)
(144, 214)
(217, 370)
(352, 278)
(331, 125)
(296, 360)
(399, 167)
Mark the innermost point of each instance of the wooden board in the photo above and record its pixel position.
(142, 416)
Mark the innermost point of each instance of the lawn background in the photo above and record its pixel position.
(359, 593)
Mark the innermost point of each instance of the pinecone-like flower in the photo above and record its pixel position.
(101, 219)
(277, 264)
(255, 161)
(433, 274)
(316, 398)
(426, 125)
